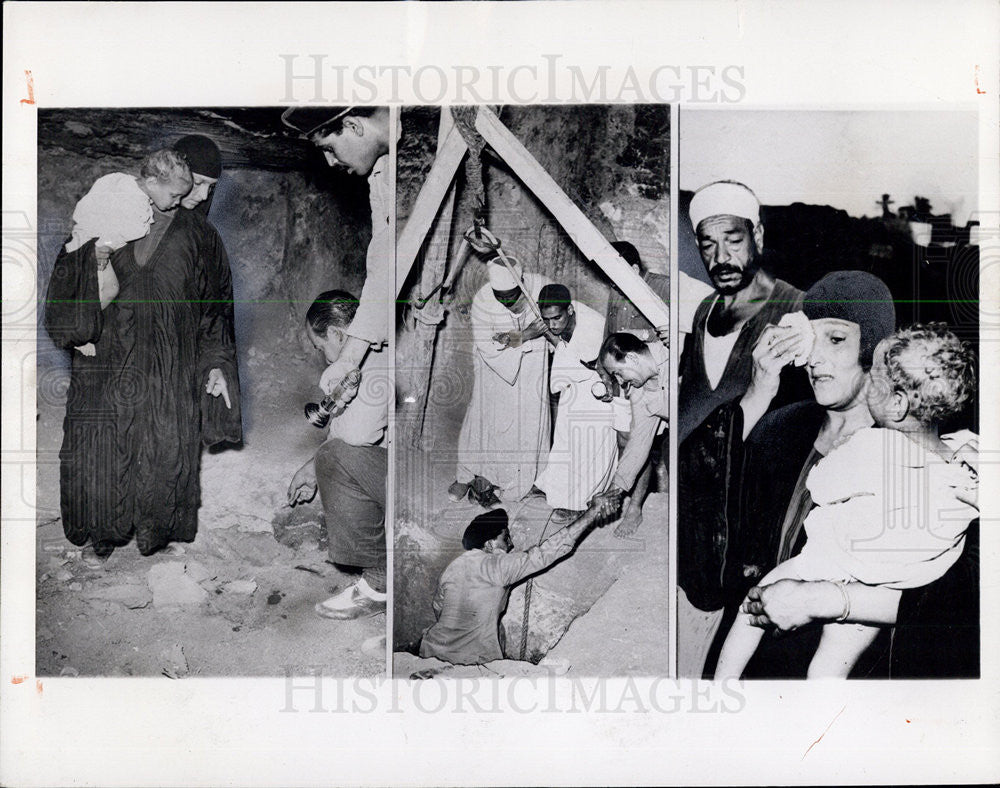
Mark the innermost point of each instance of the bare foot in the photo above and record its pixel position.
(630, 521)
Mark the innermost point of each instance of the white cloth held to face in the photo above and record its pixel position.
(798, 322)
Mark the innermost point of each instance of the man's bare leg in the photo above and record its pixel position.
(631, 515)
(632, 518)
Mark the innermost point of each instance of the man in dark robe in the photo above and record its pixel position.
(715, 365)
(163, 379)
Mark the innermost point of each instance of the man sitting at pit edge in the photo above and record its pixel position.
(473, 590)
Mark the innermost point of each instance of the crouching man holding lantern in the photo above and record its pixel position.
(350, 468)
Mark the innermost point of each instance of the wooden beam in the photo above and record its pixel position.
(415, 371)
(428, 204)
(588, 238)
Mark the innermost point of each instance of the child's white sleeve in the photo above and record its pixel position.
(852, 468)
(114, 211)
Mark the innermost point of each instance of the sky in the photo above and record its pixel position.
(845, 159)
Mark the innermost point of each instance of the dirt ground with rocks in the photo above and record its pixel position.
(239, 600)
(602, 611)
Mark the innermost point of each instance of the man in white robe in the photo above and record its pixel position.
(506, 428)
(581, 462)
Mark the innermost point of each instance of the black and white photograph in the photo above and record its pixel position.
(531, 533)
(828, 520)
(211, 467)
(500, 393)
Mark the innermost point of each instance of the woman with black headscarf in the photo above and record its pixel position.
(163, 380)
(756, 468)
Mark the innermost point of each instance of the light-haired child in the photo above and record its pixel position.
(892, 504)
(119, 208)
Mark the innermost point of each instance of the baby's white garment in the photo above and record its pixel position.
(114, 211)
(887, 511)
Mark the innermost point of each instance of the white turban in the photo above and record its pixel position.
(500, 277)
(724, 198)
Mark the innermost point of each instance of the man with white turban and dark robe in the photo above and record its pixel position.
(716, 363)
(505, 433)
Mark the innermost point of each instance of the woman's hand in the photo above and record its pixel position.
(790, 604)
(217, 386)
(776, 348)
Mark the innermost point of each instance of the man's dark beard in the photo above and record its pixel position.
(746, 276)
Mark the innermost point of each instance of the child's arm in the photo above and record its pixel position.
(107, 279)
(745, 634)
(840, 647)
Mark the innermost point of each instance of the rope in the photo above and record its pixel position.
(527, 598)
(479, 238)
(465, 122)
(524, 619)
(487, 242)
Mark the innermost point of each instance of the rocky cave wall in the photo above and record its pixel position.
(289, 235)
(613, 162)
(292, 228)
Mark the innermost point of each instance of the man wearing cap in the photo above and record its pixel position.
(357, 140)
(505, 432)
(584, 444)
(717, 361)
(622, 314)
(473, 590)
(163, 380)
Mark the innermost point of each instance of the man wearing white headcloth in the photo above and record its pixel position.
(505, 433)
(584, 449)
(716, 363)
